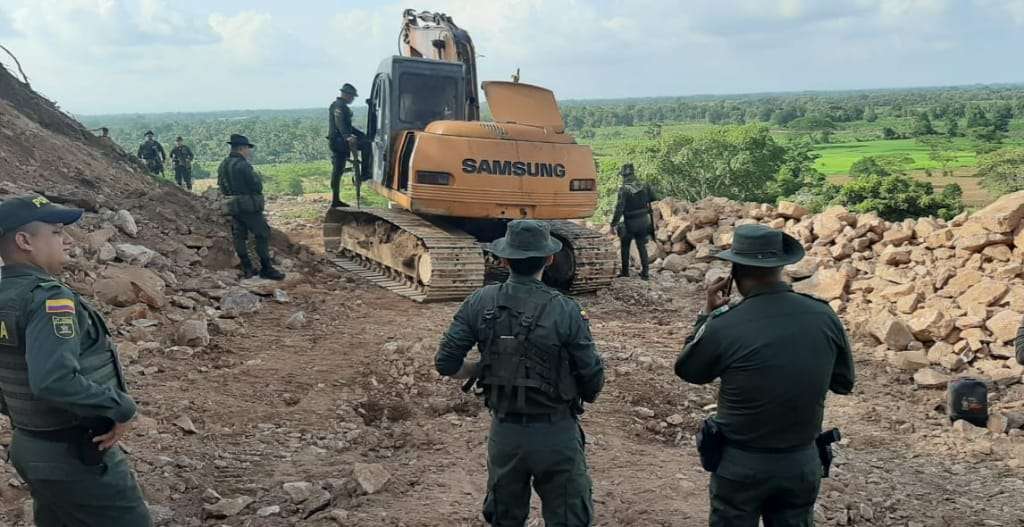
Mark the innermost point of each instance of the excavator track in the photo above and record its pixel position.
(592, 265)
(454, 265)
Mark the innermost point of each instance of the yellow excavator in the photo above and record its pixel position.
(454, 181)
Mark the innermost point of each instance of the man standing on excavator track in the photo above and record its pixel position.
(342, 137)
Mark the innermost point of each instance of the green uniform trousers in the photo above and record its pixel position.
(66, 493)
(241, 226)
(779, 488)
(551, 454)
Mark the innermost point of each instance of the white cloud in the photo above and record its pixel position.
(244, 35)
(166, 55)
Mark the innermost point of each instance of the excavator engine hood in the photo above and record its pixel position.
(515, 102)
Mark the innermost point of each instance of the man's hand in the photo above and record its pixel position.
(353, 141)
(716, 296)
(111, 438)
(468, 370)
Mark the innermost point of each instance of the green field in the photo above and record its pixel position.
(838, 157)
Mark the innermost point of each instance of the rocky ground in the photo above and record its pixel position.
(314, 402)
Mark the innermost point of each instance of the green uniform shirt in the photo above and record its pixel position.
(59, 328)
(778, 353)
(181, 156)
(339, 120)
(562, 326)
(236, 176)
(152, 150)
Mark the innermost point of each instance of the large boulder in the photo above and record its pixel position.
(984, 293)
(193, 333)
(674, 263)
(826, 284)
(134, 254)
(895, 255)
(890, 331)
(1004, 325)
(124, 221)
(974, 237)
(1003, 215)
(788, 209)
(929, 325)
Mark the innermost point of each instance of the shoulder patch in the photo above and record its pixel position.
(60, 305)
(8, 329)
(64, 326)
(719, 312)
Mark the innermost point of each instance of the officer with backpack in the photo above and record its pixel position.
(634, 206)
(538, 364)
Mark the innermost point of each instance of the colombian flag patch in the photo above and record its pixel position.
(62, 305)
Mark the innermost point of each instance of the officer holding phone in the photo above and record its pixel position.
(778, 353)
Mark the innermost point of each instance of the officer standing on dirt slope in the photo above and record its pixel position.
(181, 158)
(61, 382)
(153, 154)
(242, 185)
(778, 353)
(634, 205)
(538, 364)
(342, 137)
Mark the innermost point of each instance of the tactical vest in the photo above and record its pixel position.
(149, 150)
(637, 200)
(511, 363)
(97, 360)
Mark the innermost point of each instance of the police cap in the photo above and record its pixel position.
(22, 210)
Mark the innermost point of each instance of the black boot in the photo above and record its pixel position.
(247, 270)
(644, 275)
(267, 271)
(624, 273)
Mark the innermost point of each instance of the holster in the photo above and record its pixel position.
(824, 445)
(710, 443)
(245, 204)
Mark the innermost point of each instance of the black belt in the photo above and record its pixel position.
(63, 435)
(528, 419)
(761, 450)
(638, 213)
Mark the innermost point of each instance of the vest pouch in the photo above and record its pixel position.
(246, 204)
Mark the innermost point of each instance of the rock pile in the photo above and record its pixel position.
(936, 298)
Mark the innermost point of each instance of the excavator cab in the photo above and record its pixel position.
(408, 94)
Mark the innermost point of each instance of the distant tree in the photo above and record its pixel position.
(587, 133)
(889, 134)
(736, 162)
(976, 118)
(811, 123)
(922, 125)
(896, 198)
(952, 127)
(653, 131)
(870, 115)
(784, 116)
(1001, 117)
(1003, 170)
(868, 166)
(940, 151)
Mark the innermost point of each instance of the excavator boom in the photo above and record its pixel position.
(436, 36)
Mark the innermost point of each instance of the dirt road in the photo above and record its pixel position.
(356, 385)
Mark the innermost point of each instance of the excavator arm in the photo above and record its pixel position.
(435, 36)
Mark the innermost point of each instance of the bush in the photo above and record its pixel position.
(293, 186)
(1002, 171)
(896, 198)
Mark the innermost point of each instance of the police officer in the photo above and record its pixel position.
(181, 158)
(538, 363)
(634, 206)
(61, 382)
(152, 153)
(240, 182)
(342, 137)
(778, 353)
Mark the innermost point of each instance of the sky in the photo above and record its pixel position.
(148, 56)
